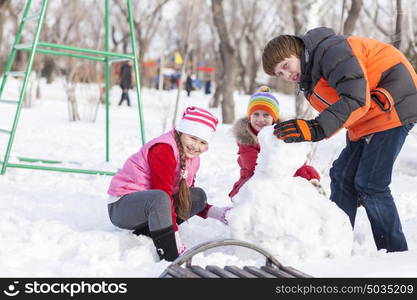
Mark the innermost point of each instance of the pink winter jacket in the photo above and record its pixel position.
(135, 173)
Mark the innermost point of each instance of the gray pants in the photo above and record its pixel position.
(152, 208)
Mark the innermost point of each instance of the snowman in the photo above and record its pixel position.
(285, 215)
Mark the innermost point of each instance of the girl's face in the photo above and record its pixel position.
(289, 69)
(192, 145)
(259, 119)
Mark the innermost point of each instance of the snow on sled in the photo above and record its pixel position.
(272, 268)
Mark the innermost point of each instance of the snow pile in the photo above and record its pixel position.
(286, 215)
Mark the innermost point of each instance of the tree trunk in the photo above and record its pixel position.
(253, 65)
(72, 103)
(3, 7)
(352, 17)
(300, 102)
(186, 54)
(48, 68)
(215, 101)
(228, 104)
(38, 85)
(145, 26)
(398, 25)
(218, 80)
(227, 53)
(295, 15)
(242, 72)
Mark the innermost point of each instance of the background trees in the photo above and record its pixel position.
(226, 35)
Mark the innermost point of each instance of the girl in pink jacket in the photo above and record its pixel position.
(154, 191)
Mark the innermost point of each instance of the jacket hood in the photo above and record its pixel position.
(242, 132)
(314, 37)
(311, 40)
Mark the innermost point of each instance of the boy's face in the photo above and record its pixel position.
(289, 69)
(192, 145)
(259, 119)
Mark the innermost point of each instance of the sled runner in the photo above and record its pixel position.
(272, 268)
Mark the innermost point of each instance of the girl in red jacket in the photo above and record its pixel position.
(263, 110)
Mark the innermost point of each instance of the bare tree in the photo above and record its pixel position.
(390, 30)
(239, 42)
(70, 85)
(302, 109)
(231, 43)
(21, 56)
(227, 52)
(217, 60)
(248, 42)
(300, 105)
(146, 23)
(79, 29)
(120, 33)
(295, 15)
(4, 6)
(353, 15)
(185, 51)
(374, 16)
(398, 25)
(411, 48)
(218, 79)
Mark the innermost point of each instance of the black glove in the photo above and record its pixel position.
(298, 130)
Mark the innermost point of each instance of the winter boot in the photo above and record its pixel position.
(142, 231)
(166, 246)
(179, 220)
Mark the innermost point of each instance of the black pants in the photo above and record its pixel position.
(125, 96)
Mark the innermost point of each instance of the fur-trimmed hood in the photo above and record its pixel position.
(243, 133)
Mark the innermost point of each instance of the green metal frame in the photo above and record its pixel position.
(37, 46)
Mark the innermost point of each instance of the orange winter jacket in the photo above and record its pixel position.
(361, 84)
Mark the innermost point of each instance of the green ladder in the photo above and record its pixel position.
(37, 46)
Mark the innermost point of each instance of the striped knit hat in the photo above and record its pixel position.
(198, 122)
(263, 100)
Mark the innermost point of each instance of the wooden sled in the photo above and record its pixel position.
(272, 268)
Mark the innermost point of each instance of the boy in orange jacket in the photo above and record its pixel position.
(367, 87)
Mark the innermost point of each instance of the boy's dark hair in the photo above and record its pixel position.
(280, 48)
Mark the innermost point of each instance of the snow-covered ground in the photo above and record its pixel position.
(55, 224)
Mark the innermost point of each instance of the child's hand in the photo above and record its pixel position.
(182, 250)
(219, 213)
(180, 246)
(299, 130)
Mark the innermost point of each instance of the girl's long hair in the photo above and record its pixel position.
(183, 206)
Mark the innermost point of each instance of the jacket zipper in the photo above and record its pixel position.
(321, 98)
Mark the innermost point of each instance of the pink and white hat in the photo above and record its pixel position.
(198, 122)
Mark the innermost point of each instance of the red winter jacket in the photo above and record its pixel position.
(248, 154)
(162, 164)
(249, 149)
